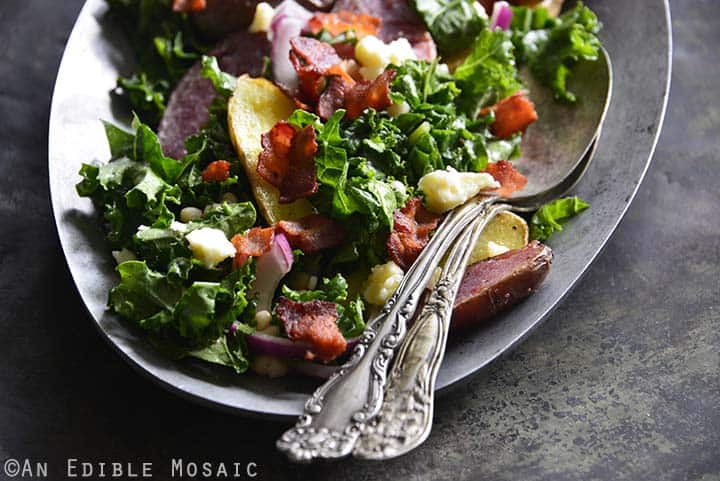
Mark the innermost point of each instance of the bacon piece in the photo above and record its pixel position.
(510, 179)
(312, 233)
(512, 115)
(375, 94)
(314, 60)
(254, 243)
(332, 99)
(301, 179)
(274, 160)
(188, 6)
(412, 226)
(313, 323)
(288, 161)
(217, 171)
(343, 21)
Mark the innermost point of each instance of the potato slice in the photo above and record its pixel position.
(507, 231)
(255, 107)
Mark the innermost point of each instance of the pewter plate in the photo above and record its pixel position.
(637, 37)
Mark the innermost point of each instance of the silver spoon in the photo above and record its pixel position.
(339, 410)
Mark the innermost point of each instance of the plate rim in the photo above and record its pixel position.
(453, 382)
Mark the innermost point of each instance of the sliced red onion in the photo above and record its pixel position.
(314, 369)
(292, 8)
(282, 347)
(270, 268)
(276, 346)
(501, 17)
(289, 20)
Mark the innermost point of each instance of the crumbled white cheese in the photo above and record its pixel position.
(446, 189)
(178, 227)
(268, 366)
(480, 10)
(495, 249)
(123, 255)
(443, 69)
(398, 187)
(374, 55)
(382, 283)
(264, 14)
(553, 6)
(210, 246)
(189, 214)
(396, 110)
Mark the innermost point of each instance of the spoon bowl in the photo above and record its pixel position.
(558, 142)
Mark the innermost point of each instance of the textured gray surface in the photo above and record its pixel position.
(622, 382)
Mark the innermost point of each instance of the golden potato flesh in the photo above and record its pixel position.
(506, 232)
(255, 107)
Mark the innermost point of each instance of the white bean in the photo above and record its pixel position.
(189, 214)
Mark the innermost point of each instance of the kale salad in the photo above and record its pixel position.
(288, 162)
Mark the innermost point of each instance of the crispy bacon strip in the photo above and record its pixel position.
(375, 94)
(217, 171)
(312, 233)
(313, 61)
(332, 99)
(411, 232)
(313, 323)
(510, 179)
(188, 6)
(287, 161)
(512, 115)
(343, 21)
(273, 162)
(254, 243)
(301, 179)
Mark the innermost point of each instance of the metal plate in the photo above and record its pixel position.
(637, 36)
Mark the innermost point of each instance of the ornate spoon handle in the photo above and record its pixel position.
(337, 412)
(405, 419)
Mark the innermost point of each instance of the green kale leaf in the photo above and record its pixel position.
(552, 46)
(350, 313)
(551, 217)
(488, 74)
(453, 24)
(166, 44)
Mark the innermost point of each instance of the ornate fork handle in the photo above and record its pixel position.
(338, 411)
(405, 419)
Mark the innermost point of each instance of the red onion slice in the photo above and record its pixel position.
(313, 369)
(289, 20)
(282, 347)
(501, 17)
(276, 346)
(271, 267)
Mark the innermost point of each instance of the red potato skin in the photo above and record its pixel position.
(496, 284)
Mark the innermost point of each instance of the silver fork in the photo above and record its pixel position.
(405, 419)
(337, 413)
